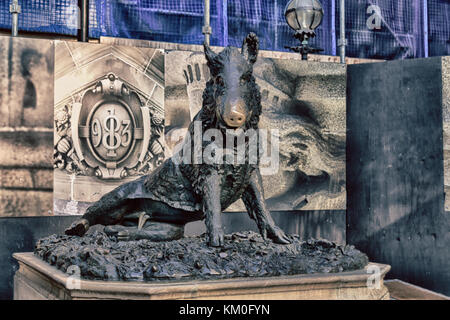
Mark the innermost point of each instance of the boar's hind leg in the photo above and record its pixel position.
(109, 210)
(152, 230)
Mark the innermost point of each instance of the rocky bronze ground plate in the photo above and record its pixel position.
(244, 255)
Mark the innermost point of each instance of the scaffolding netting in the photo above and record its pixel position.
(386, 29)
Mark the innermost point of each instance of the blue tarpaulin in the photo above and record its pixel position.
(386, 29)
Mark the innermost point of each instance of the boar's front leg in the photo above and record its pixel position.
(212, 209)
(254, 201)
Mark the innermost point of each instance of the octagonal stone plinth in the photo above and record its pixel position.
(36, 279)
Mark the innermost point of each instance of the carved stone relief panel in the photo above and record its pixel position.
(109, 119)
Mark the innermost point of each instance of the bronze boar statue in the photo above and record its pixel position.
(157, 206)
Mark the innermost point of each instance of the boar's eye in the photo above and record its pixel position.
(244, 79)
(219, 81)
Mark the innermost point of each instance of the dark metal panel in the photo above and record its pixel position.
(395, 186)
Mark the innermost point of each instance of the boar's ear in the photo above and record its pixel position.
(212, 60)
(250, 47)
(210, 55)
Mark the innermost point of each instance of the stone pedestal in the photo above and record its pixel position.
(36, 279)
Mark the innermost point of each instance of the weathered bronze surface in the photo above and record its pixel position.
(244, 254)
(157, 206)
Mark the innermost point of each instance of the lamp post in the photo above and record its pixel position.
(342, 41)
(304, 16)
(206, 30)
(83, 32)
(14, 9)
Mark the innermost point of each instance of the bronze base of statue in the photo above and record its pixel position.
(244, 254)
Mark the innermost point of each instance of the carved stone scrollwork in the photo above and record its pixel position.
(109, 133)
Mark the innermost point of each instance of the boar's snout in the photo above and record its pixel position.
(234, 115)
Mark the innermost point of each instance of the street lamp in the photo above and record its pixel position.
(304, 16)
(83, 32)
(14, 9)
